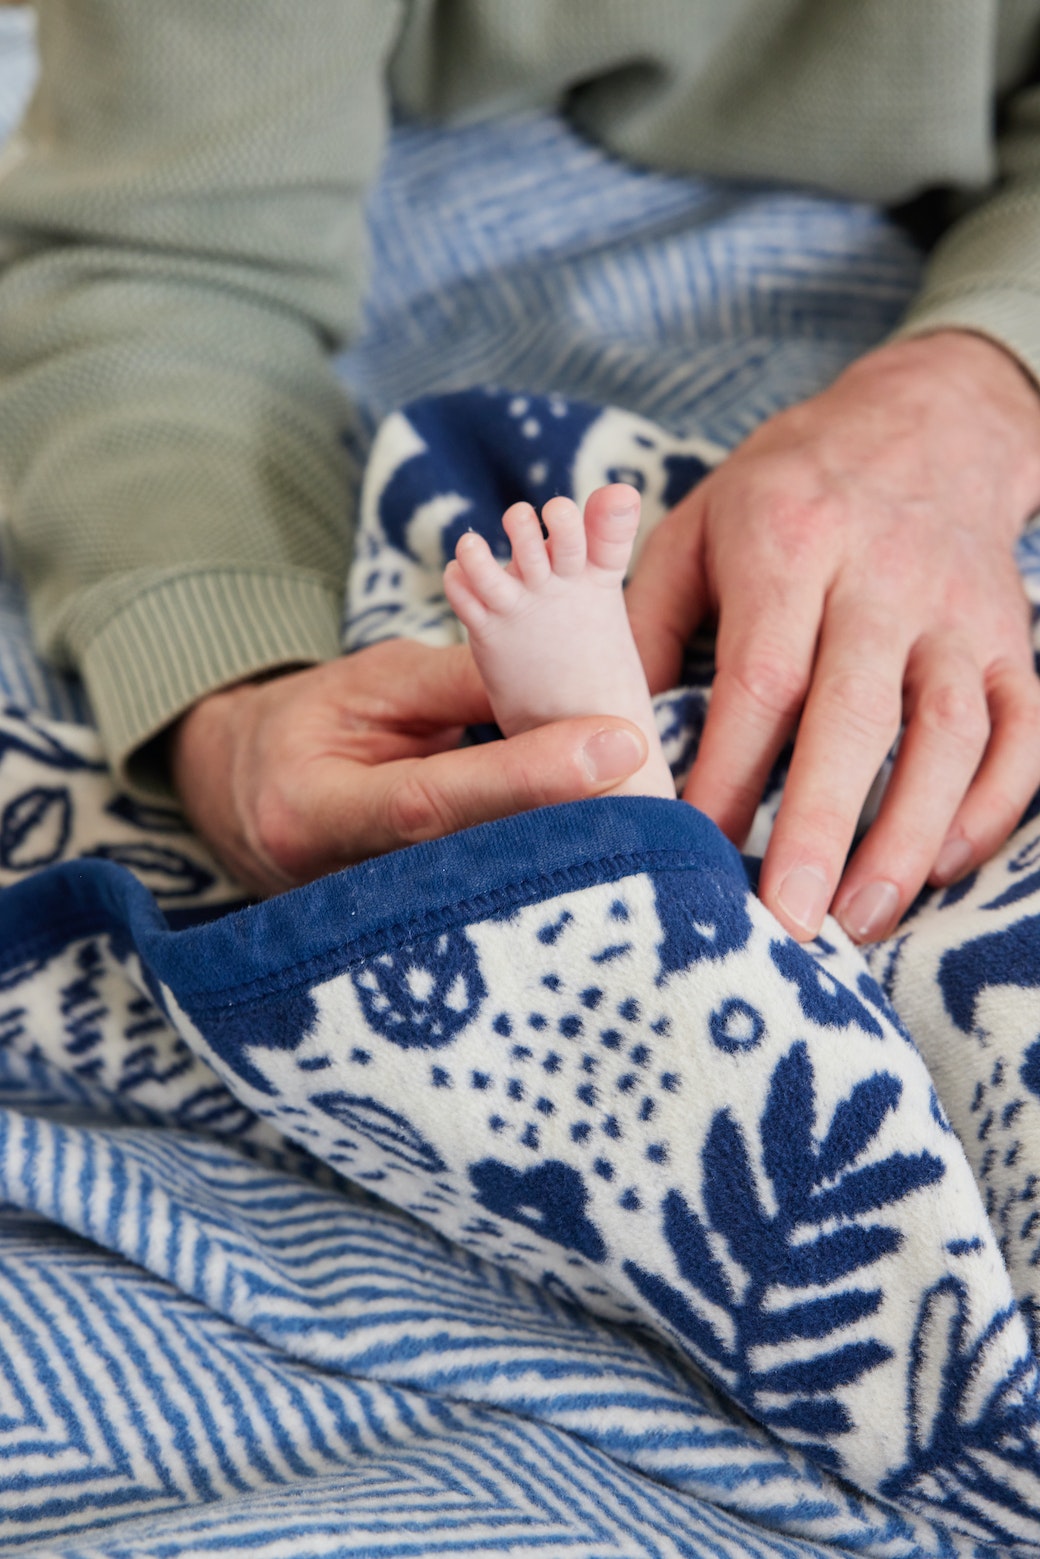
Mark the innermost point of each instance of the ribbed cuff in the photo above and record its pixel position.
(1009, 316)
(186, 635)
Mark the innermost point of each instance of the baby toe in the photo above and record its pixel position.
(497, 590)
(530, 556)
(611, 523)
(566, 529)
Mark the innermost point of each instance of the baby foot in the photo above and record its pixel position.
(549, 631)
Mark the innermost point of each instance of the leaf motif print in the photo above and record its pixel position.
(744, 1258)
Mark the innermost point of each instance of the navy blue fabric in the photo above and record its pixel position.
(300, 936)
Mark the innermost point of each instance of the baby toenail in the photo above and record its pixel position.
(621, 508)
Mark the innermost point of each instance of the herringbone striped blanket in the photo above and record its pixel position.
(528, 1191)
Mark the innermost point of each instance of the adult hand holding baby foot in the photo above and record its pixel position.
(313, 770)
(857, 553)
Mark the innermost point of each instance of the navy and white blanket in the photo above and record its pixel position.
(528, 1191)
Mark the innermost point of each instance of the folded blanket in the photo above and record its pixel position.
(572, 1043)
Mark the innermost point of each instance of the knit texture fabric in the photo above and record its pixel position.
(183, 238)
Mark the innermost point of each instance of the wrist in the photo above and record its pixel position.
(188, 737)
(195, 738)
(978, 358)
(961, 374)
(196, 744)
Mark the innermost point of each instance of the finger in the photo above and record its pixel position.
(947, 728)
(436, 687)
(850, 720)
(404, 803)
(764, 657)
(667, 596)
(1007, 780)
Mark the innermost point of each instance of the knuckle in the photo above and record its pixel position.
(1012, 692)
(827, 828)
(993, 810)
(955, 711)
(773, 682)
(789, 529)
(1024, 719)
(869, 704)
(1003, 811)
(416, 810)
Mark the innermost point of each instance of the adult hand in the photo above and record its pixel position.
(857, 553)
(313, 770)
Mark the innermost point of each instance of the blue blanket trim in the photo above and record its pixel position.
(297, 938)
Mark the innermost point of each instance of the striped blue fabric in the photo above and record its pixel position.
(212, 1340)
(516, 254)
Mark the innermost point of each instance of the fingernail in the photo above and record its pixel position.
(870, 910)
(803, 896)
(611, 755)
(952, 859)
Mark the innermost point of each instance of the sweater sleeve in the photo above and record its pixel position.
(984, 274)
(181, 239)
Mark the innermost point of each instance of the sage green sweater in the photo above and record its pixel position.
(182, 247)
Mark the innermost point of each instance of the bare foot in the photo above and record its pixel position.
(549, 631)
